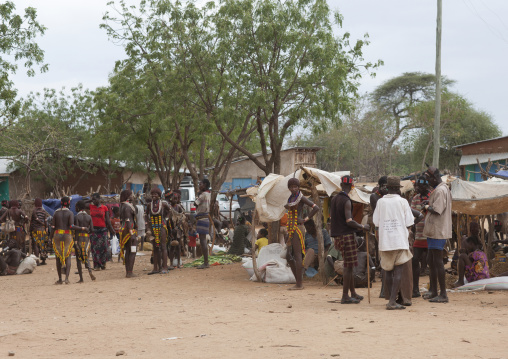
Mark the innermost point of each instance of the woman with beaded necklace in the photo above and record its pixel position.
(157, 211)
(295, 241)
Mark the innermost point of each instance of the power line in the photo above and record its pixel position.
(492, 29)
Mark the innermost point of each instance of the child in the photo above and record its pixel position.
(193, 235)
(262, 240)
(117, 226)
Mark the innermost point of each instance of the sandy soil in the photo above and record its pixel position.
(219, 313)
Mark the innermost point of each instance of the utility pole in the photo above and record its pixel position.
(437, 115)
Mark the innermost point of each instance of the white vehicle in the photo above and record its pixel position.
(188, 198)
(224, 205)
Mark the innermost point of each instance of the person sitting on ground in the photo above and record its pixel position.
(240, 240)
(10, 258)
(473, 263)
(311, 243)
(262, 240)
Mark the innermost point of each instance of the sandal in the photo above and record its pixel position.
(416, 295)
(350, 301)
(395, 307)
(203, 266)
(153, 272)
(429, 295)
(439, 299)
(358, 297)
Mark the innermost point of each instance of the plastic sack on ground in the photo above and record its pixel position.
(272, 267)
(269, 253)
(497, 283)
(27, 266)
(247, 264)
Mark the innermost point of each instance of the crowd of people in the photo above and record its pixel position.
(92, 230)
(409, 236)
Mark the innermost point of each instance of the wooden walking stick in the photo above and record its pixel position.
(368, 263)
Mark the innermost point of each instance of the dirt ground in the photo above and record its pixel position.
(219, 313)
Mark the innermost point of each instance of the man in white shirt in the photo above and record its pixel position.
(392, 217)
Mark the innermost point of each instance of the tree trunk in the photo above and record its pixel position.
(489, 251)
(319, 232)
(253, 242)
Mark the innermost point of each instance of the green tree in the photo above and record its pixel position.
(183, 79)
(460, 123)
(45, 141)
(358, 144)
(395, 99)
(17, 34)
(289, 68)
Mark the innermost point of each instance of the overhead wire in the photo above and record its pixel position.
(492, 29)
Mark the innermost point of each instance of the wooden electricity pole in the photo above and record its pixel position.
(437, 117)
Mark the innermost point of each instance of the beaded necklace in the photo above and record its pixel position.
(156, 222)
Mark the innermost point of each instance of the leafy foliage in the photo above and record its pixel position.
(17, 34)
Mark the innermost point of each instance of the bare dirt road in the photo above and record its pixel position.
(219, 313)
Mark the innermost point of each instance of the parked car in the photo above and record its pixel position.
(187, 198)
(224, 205)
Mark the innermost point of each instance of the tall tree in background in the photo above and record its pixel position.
(17, 34)
(291, 69)
(46, 139)
(460, 123)
(395, 99)
(358, 144)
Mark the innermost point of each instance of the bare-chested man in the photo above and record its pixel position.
(82, 244)
(295, 242)
(156, 213)
(19, 218)
(63, 223)
(39, 230)
(128, 233)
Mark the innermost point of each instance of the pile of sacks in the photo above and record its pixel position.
(272, 265)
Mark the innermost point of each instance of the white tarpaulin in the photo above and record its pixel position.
(480, 198)
(273, 192)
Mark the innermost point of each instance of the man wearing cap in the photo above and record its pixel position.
(438, 228)
(392, 217)
(342, 230)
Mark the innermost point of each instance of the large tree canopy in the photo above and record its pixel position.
(17, 34)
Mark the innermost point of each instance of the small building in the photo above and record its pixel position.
(495, 150)
(243, 172)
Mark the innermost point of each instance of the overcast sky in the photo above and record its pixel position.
(402, 34)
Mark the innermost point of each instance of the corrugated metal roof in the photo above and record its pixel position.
(474, 143)
(483, 158)
(4, 167)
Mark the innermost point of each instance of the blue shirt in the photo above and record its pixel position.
(311, 242)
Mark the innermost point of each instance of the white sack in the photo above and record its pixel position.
(28, 265)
